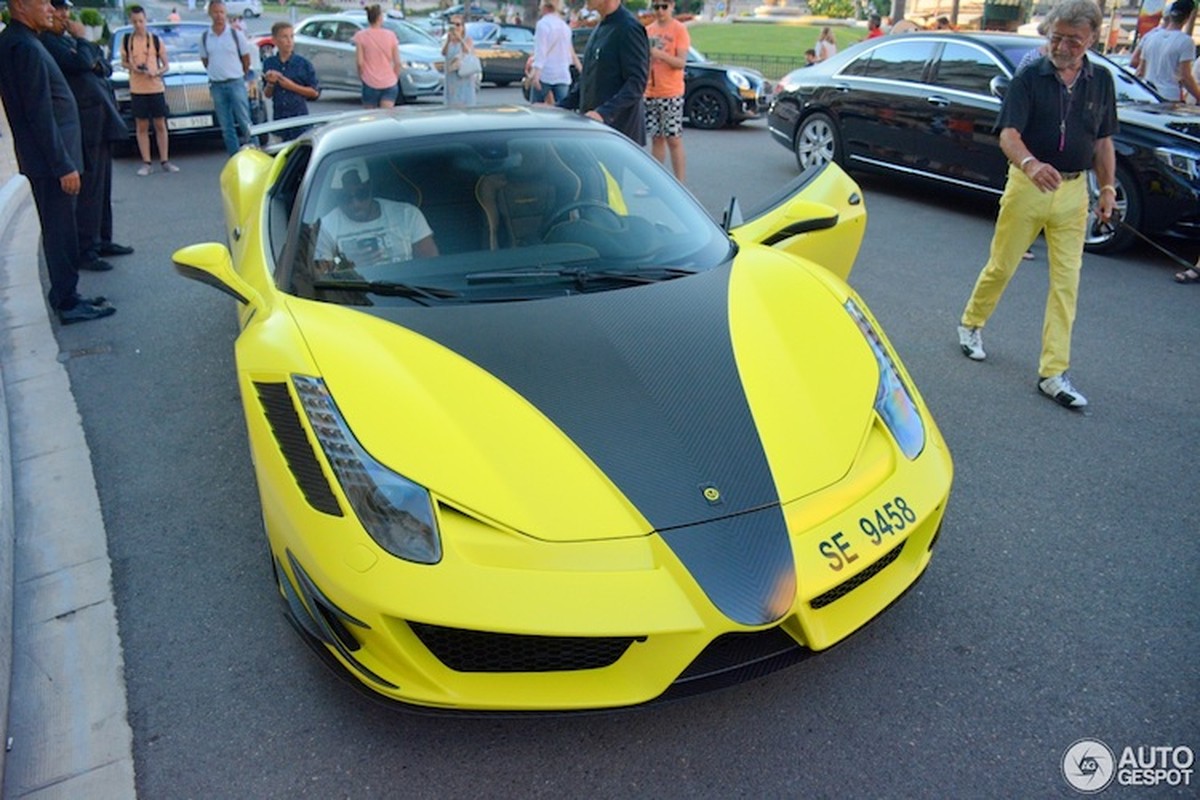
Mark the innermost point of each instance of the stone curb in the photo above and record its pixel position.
(62, 689)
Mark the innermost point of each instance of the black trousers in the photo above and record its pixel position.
(60, 242)
(93, 211)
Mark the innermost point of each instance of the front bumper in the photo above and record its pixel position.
(508, 622)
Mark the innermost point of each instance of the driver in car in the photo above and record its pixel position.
(365, 230)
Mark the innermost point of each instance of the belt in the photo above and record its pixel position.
(1070, 176)
(228, 80)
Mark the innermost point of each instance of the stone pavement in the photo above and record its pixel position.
(63, 716)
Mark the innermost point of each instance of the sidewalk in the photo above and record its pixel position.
(63, 714)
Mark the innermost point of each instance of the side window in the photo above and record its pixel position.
(282, 207)
(900, 61)
(519, 36)
(966, 68)
(345, 32)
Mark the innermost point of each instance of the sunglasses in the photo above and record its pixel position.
(661, 6)
(360, 193)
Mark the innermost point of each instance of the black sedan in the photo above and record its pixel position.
(715, 95)
(502, 49)
(925, 105)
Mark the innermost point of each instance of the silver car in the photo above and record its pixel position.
(327, 41)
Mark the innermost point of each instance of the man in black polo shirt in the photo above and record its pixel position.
(1056, 123)
(616, 66)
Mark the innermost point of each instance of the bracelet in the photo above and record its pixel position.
(1108, 187)
(1025, 161)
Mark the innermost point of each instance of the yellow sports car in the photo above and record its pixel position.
(532, 431)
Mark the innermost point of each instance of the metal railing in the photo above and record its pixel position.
(773, 67)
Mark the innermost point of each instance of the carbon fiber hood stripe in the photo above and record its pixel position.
(644, 381)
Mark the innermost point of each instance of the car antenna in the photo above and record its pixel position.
(733, 215)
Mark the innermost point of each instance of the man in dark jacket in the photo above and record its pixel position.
(46, 136)
(616, 66)
(86, 70)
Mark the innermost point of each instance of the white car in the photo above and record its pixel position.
(243, 8)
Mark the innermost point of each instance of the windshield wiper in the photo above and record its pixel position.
(582, 275)
(389, 289)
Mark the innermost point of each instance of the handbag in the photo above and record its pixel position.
(469, 65)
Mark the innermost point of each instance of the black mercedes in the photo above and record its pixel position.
(925, 105)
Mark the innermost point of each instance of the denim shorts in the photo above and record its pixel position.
(373, 97)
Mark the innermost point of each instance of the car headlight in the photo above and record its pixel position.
(397, 513)
(1185, 162)
(738, 79)
(422, 66)
(893, 401)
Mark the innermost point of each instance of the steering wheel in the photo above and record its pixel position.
(611, 219)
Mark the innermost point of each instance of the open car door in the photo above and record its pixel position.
(820, 216)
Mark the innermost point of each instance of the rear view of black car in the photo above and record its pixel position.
(715, 95)
(925, 105)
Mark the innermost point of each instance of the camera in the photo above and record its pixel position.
(142, 68)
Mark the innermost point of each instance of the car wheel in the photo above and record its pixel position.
(817, 142)
(1114, 238)
(706, 109)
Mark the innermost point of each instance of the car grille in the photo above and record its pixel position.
(188, 98)
(846, 587)
(735, 658)
(297, 450)
(1186, 128)
(481, 651)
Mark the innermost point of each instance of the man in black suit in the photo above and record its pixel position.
(46, 136)
(616, 66)
(87, 71)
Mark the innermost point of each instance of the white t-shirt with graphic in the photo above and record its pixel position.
(389, 237)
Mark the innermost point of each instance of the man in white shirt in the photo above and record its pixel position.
(553, 56)
(1165, 58)
(226, 55)
(364, 230)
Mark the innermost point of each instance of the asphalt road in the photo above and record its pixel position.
(1061, 602)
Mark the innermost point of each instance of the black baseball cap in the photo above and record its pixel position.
(62, 3)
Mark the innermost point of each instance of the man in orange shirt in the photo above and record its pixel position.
(669, 43)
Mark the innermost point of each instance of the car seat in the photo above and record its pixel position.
(520, 200)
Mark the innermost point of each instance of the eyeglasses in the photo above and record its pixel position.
(1072, 42)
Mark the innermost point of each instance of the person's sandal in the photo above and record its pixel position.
(1189, 275)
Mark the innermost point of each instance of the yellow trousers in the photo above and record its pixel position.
(1026, 211)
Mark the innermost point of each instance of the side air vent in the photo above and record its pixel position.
(294, 444)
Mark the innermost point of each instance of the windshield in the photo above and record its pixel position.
(1129, 89)
(486, 216)
(408, 33)
(181, 43)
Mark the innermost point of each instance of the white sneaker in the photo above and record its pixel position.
(169, 167)
(145, 170)
(1059, 389)
(971, 342)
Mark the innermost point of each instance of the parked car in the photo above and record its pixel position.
(189, 101)
(503, 49)
(247, 9)
(327, 41)
(469, 13)
(715, 95)
(926, 104)
(593, 451)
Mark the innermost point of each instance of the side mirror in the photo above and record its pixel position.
(211, 264)
(999, 86)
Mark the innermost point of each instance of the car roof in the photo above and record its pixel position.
(360, 128)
